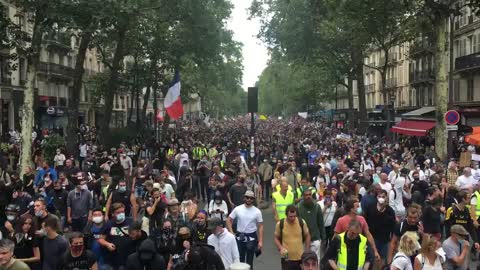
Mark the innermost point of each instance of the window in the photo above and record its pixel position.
(22, 68)
(430, 95)
(117, 105)
(456, 90)
(470, 87)
(474, 46)
(469, 45)
(122, 102)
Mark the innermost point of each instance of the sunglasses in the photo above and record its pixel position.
(249, 198)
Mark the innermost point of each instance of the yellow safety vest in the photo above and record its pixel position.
(300, 191)
(342, 255)
(477, 207)
(281, 203)
(170, 152)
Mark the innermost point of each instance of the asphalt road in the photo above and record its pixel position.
(270, 258)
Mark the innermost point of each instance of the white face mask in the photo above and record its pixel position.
(381, 200)
(97, 220)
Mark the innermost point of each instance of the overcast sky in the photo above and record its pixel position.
(255, 55)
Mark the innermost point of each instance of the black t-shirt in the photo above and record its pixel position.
(83, 262)
(380, 224)
(402, 227)
(236, 194)
(431, 220)
(118, 235)
(24, 245)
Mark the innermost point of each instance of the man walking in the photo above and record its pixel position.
(312, 213)
(282, 199)
(266, 172)
(249, 228)
(79, 206)
(291, 234)
(223, 241)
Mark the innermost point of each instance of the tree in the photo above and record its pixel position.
(44, 16)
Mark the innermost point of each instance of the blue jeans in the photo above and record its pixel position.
(247, 249)
(382, 249)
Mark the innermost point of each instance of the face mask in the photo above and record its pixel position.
(359, 211)
(97, 220)
(77, 249)
(334, 181)
(218, 201)
(381, 200)
(122, 189)
(418, 168)
(11, 217)
(379, 172)
(42, 232)
(121, 217)
(167, 231)
(416, 178)
(39, 213)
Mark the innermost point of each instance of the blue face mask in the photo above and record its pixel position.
(121, 217)
(122, 189)
(359, 211)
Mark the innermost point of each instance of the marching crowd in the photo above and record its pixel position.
(195, 201)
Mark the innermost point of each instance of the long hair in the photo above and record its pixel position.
(409, 243)
(21, 221)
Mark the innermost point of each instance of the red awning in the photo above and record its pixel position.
(413, 127)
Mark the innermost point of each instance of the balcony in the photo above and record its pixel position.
(58, 40)
(56, 70)
(391, 83)
(424, 76)
(467, 62)
(370, 88)
(423, 47)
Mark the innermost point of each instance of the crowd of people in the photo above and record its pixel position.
(197, 199)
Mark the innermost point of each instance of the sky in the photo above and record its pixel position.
(255, 55)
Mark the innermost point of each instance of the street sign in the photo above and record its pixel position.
(50, 110)
(452, 117)
(452, 127)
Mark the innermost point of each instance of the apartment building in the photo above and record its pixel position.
(465, 96)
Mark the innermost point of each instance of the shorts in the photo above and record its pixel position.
(139, 191)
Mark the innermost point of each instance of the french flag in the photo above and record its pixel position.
(173, 102)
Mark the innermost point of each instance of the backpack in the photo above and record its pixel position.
(282, 224)
(388, 266)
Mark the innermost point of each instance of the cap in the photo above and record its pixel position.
(459, 229)
(173, 201)
(249, 193)
(309, 255)
(214, 222)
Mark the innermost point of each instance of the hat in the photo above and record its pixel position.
(173, 201)
(459, 229)
(214, 222)
(309, 255)
(249, 193)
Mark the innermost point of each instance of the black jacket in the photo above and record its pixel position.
(146, 258)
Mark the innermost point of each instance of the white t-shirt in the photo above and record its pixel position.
(168, 191)
(83, 150)
(402, 261)
(464, 182)
(59, 159)
(395, 196)
(247, 218)
(329, 213)
(387, 186)
(437, 264)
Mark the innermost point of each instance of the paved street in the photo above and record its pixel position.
(269, 258)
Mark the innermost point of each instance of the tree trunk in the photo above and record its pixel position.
(112, 83)
(362, 104)
(351, 107)
(130, 111)
(28, 116)
(137, 107)
(441, 87)
(76, 89)
(146, 99)
(155, 103)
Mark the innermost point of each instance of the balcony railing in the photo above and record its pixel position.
(56, 70)
(467, 62)
(370, 88)
(62, 40)
(422, 76)
(421, 47)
